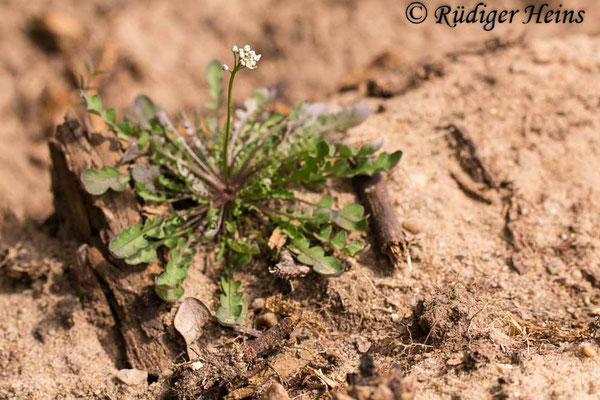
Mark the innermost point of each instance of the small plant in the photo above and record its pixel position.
(232, 186)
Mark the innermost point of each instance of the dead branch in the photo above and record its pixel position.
(270, 340)
(389, 236)
(468, 156)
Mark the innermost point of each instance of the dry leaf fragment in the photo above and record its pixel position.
(190, 319)
(328, 381)
(276, 392)
(286, 267)
(277, 239)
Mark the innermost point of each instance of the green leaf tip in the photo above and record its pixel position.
(316, 258)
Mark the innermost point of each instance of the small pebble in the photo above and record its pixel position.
(412, 226)
(196, 365)
(596, 311)
(395, 317)
(266, 320)
(132, 377)
(362, 344)
(258, 303)
(588, 350)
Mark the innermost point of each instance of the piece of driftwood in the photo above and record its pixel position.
(389, 235)
(95, 220)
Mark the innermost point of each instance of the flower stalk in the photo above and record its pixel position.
(243, 58)
(228, 127)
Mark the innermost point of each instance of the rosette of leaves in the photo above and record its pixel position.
(232, 186)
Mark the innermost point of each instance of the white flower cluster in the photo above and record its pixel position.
(248, 57)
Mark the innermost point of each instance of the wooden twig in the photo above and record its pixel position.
(469, 189)
(95, 221)
(270, 340)
(468, 156)
(388, 233)
(489, 46)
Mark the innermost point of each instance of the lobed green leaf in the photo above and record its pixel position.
(133, 239)
(316, 258)
(98, 182)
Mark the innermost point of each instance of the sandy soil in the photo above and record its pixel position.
(504, 286)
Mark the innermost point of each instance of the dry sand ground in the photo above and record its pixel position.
(484, 330)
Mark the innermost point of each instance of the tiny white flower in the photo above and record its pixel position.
(234, 49)
(225, 67)
(248, 57)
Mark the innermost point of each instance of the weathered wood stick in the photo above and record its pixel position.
(388, 233)
(467, 154)
(470, 189)
(95, 220)
(270, 340)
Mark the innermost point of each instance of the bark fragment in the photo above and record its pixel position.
(270, 340)
(95, 220)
